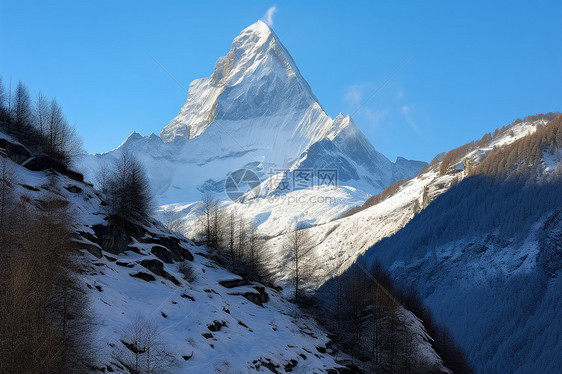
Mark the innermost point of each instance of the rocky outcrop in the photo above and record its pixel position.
(177, 251)
(14, 152)
(46, 163)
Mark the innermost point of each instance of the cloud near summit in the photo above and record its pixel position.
(268, 16)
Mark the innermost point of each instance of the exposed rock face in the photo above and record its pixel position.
(14, 152)
(172, 244)
(114, 237)
(46, 163)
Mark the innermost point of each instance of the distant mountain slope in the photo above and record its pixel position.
(486, 255)
(340, 242)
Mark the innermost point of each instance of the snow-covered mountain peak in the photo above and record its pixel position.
(257, 112)
(257, 78)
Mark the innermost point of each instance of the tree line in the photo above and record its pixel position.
(366, 312)
(528, 150)
(235, 240)
(241, 249)
(524, 154)
(44, 320)
(38, 124)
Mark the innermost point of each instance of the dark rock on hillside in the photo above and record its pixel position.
(178, 252)
(255, 297)
(14, 152)
(110, 239)
(264, 296)
(154, 266)
(157, 267)
(234, 283)
(216, 325)
(144, 276)
(46, 163)
(73, 189)
(162, 253)
(30, 188)
(115, 237)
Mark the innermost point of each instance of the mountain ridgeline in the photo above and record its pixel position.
(256, 111)
(485, 256)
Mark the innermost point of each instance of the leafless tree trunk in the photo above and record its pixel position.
(231, 233)
(298, 244)
(242, 237)
(41, 113)
(208, 210)
(22, 105)
(143, 347)
(5, 191)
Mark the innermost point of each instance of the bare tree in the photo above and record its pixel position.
(143, 348)
(10, 100)
(241, 237)
(19, 119)
(250, 258)
(4, 111)
(6, 185)
(298, 244)
(41, 114)
(231, 233)
(60, 140)
(43, 324)
(129, 190)
(2, 93)
(22, 109)
(218, 228)
(208, 209)
(139, 190)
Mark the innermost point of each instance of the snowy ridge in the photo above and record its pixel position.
(486, 258)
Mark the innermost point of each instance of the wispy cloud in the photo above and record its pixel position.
(268, 16)
(407, 113)
(375, 118)
(354, 94)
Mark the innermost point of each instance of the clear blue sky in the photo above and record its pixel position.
(475, 65)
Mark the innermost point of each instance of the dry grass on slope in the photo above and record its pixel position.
(525, 153)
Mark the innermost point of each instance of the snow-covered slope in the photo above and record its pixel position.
(204, 325)
(486, 254)
(199, 316)
(256, 111)
(214, 322)
(338, 243)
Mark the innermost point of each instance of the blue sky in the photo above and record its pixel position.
(475, 66)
